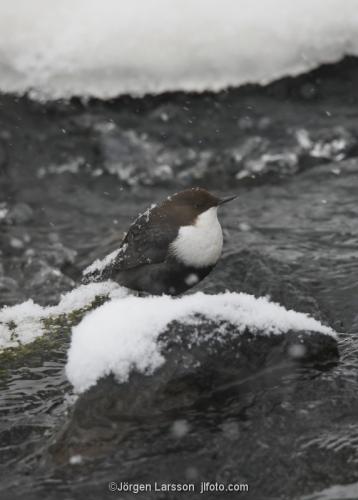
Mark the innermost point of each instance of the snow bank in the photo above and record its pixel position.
(22, 323)
(122, 334)
(90, 47)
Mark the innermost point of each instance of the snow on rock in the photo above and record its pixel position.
(23, 323)
(122, 335)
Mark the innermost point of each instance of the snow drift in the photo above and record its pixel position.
(92, 48)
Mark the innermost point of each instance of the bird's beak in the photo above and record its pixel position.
(226, 200)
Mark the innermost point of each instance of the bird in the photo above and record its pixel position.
(169, 248)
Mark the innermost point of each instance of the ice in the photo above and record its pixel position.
(23, 323)
(87, 47)
(122, 335)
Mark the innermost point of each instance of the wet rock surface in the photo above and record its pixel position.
(209, 380)
(72, 177)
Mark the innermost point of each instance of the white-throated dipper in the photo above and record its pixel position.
(169, 248)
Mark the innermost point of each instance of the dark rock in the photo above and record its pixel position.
(205, 364)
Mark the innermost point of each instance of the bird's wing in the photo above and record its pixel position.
(147, 242)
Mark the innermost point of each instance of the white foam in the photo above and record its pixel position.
(90, 47)
(23, 323)
(122, 334)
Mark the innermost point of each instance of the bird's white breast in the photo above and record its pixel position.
(200, 244)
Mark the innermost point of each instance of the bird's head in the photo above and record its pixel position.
(186, 206)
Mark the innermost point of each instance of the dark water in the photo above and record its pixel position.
(74, 175)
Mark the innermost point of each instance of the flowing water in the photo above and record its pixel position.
(73, 176)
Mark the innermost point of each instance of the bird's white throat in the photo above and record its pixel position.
(200, 244)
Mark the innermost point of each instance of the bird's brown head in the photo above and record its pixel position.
(185, 206)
